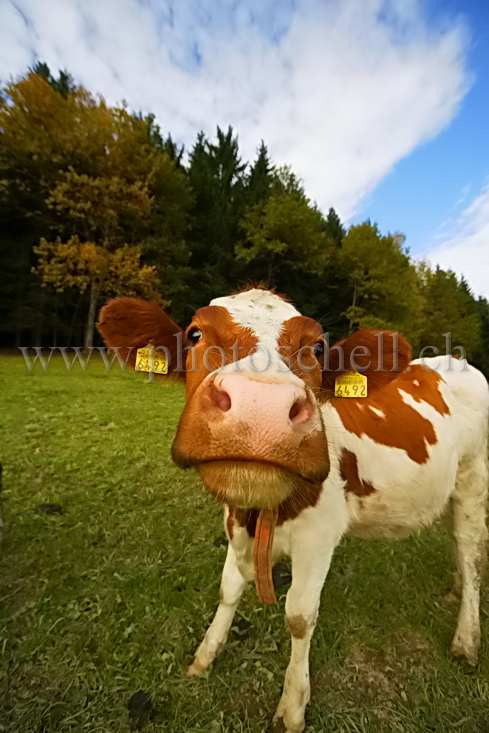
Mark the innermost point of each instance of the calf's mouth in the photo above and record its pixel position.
(247, 483)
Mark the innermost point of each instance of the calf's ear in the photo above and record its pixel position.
(380, 355)
(128, 324)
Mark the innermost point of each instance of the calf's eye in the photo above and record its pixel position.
(318, 349)
(194, 335)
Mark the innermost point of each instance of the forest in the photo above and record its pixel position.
(96, 202)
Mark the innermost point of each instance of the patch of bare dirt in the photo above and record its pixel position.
(412, 648)
(246, 704)
(372, 670)
(375, 680)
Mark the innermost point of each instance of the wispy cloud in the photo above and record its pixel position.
(341, 90)
(464, 246)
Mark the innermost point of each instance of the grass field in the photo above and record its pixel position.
(113, 595)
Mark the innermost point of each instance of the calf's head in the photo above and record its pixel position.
(251, 426)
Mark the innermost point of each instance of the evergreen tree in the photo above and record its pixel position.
(260, 179)
(448, 307)
(282, 231)
(217, 179)
(383, 281)
(174, 152)
(334, 229)
(64, 84)
(326, 296)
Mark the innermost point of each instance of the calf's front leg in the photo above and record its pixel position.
(311, 557)
(233, 584)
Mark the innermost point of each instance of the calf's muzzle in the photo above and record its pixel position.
(252, 438)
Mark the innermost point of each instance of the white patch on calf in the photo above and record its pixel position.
(377, 412)
(264, 314)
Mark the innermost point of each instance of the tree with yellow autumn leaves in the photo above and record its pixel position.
(97, 187)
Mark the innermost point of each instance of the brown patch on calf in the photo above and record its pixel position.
(399, 425)
(422, 383)
(297, 626)
(296, 343)
(223, 342)
(243, 518)
(230, 526)
(349, 474)
(305, 494)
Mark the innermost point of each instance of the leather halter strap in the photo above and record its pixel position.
(262, 555)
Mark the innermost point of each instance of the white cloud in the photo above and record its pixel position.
(464, 246)
(341, 90)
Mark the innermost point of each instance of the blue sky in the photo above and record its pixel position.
(381, 106)
(431, 193)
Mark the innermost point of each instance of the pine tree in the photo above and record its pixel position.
(334, 228)
(448, 307)
(217, 179)
(64, 84)
(260, 179)
(383, 281)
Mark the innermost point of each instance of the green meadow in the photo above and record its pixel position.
(112, 595)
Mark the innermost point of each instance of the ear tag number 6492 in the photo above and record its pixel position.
(352, 384)
(149, 361)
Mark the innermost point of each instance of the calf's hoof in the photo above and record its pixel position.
(195, 669)
(467, 649)
(279, 726)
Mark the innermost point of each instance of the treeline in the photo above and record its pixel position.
(95, 202)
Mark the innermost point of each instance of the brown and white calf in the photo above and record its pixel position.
(297, 468)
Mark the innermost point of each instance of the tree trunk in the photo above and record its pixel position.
(55, 320)
(92, 312)
(73, 320)
(270, 271)
(38, 331)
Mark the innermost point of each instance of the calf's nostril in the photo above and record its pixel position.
(221, 398)
(294, 410)
(300, 411)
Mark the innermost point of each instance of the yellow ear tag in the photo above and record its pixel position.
(149, 361)
(351, 384)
